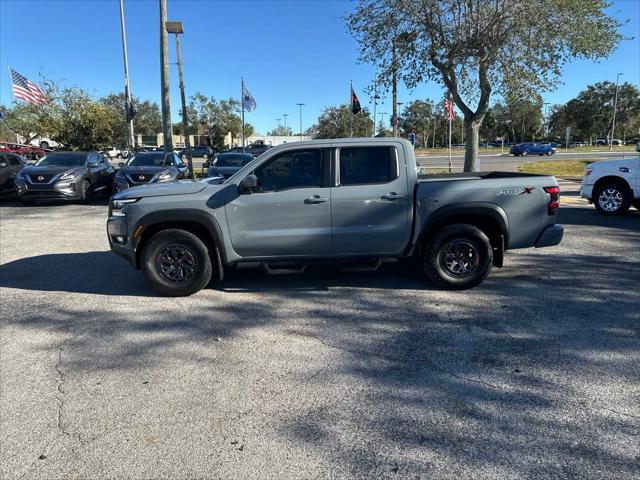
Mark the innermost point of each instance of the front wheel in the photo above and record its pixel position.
(524, 153)
(85, 191)
(177, 263)
(612, 199)
(458, 257)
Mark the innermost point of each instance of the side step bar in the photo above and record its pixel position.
(285, 268)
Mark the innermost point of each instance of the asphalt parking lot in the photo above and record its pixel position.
(534, 374)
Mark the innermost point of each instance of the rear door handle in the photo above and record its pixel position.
(315, 199)
(391, 196)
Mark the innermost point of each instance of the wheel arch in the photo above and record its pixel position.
(489, 218)
(611, 179)
(194, 221)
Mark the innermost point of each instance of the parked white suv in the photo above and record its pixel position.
(613, 185)
(115, 152)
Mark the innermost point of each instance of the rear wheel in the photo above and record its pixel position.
(177, 263)
(458, 257)
(44, 144)
(612, 199)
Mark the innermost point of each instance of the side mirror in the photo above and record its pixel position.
(92, 164)
(248, 183)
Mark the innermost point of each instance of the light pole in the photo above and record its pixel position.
(399, 104)
(164, 79)
(544, 121)
(285, 115)
(615, 106)
(127, 91)
(300, 105)
(382, 114)
(402, 37)
(376, 97)
(176, 29)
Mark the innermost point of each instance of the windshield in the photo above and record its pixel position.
(148, 159)
(232, 160)
(66, 160)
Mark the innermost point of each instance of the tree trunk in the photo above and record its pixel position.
(472, 133)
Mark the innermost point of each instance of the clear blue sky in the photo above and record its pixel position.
(288, 52)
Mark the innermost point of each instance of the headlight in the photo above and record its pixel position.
(69, 175)
(166, 175)
(119, 207)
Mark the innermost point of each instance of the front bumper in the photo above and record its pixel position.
(550, 236)
(63, 189)
(586, 191)
(120, 239)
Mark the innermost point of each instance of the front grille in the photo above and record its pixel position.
(140, 177)
(40, 178)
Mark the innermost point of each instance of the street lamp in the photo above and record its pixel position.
(615, 106)
(300, 105)
(404, 37)
(544, 121)
(376, 97)
(382, 114)
(398, 126)
(176, 29)
(285, 115)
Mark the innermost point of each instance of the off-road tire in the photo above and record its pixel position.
(197, 269)
(470, 244)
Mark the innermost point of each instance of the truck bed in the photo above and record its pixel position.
(438, 177)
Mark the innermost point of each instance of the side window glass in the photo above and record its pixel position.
(13, 161)
(365, 165)
(295, 169)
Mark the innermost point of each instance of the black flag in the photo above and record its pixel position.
(355, 103)
(129, 109)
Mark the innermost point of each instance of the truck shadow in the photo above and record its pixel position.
(102, 273)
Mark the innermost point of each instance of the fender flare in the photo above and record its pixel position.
(481, 209)
(190, 215)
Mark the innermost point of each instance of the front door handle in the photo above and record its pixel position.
(315, 199)
(391, 196)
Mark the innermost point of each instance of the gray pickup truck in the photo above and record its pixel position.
(349, 201)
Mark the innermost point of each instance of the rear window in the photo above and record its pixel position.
(148, 159)
(364, 165)
(232, 160)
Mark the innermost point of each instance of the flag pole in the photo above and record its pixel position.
(351, 109)
(127, 90)
(242, 106)
(13, 99)
(449, 114)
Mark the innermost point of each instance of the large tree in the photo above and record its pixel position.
(336, 122)
(476, 47)
(147, 122)
(590, 113)
(215, 118)
(418, 117)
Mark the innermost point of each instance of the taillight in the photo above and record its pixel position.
(554, 201)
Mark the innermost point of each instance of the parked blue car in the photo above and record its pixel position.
(524, 149)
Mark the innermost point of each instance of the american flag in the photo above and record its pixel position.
(449, 108)
(26, 90)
